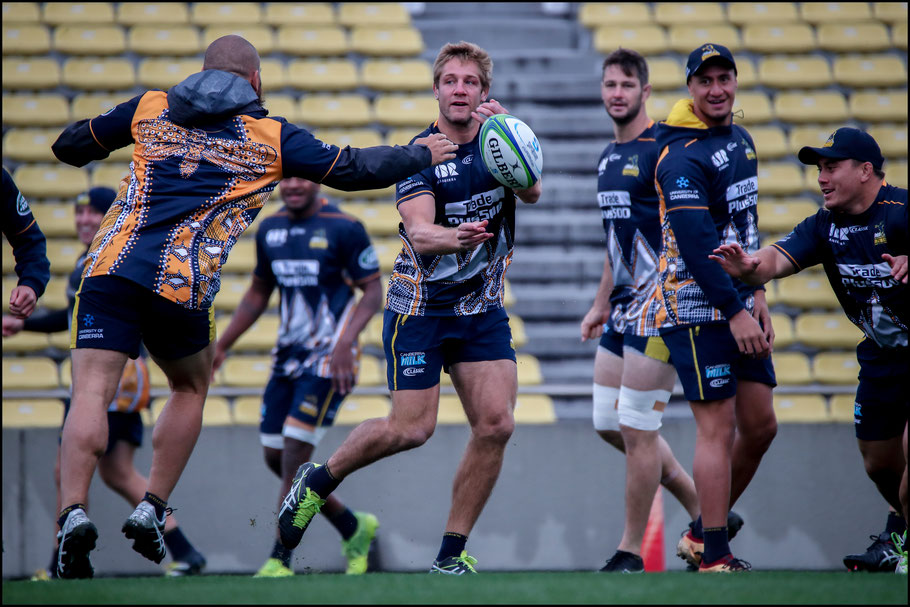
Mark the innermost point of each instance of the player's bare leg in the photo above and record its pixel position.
(715, 431)
(487, 391)
(756, 427)
(118, 472)
(886, 465)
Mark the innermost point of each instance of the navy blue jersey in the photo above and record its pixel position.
(455, 284)
(707, 180)
(631, 218)
(25, 237)
(314, 262)
(850, 249)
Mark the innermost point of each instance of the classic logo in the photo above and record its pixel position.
(412, 371)
(468, 159)
(717, 383)
(631, 167)
(731, 146)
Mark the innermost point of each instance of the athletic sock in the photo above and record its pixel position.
(322, 482)
(159, 504)
(716, 544)
(697, 530)
(896, 524)
(452, 545)
(282, 554)
(52, 568)
(177, 544)
(66, 511)
(345, 522)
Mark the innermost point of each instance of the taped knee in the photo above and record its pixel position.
(642, 409)
(304, 435)
(604, 414)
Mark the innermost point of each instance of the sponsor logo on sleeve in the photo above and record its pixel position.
(407, 186)
(368, 259)
(22, 205)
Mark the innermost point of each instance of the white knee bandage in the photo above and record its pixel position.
(273, 441)
(303, 435)
(642, 410)
(604, 416)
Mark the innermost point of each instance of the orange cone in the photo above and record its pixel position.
(652, 547)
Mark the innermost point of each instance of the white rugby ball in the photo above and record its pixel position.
(511, 151)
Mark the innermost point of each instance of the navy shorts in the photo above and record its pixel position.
(417, 348)
(652, 347)
(113, 313)
(882, 402)
(120, 426)
(709, 362)
(308, 399)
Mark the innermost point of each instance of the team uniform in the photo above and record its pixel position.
(25, 237)
(708, 188)
(312, 261)
(850, 248)
(445, 309)
(206, 158)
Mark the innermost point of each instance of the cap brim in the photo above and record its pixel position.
(808, 155)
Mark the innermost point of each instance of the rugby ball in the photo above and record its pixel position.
(511, 151)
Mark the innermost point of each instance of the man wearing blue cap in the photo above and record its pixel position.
(718, 330)
(861, 238)
(116, 466)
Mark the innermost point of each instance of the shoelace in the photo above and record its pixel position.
(467, 561)
(738, 565)
(308, 508)
(898, 542)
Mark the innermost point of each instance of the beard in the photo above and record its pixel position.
(632, 114)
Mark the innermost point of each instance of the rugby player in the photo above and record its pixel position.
(29, 249)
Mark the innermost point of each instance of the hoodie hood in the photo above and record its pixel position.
(210, 96)
(682, 123)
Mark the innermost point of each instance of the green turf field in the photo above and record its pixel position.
(766, 587)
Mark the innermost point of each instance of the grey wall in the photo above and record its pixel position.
(558, 503)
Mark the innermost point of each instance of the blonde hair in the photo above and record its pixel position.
(465, 51)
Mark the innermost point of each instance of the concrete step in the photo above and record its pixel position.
(556, 267)
(557, 301)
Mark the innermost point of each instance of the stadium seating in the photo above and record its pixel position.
(754, 107)
(835, 368)
(167, 40)
(807, 290)
(334, 110)
(386, 42)
(284, 106)
(747, 13)
(30, 145)
(800, 408)
(841, 407)
(32, 372)
(380, 219)
(25, 342)
(809, 135)
(595, 14)
(824, 106)
(31, 74)
(98, 74)
(246, 371)
(312, 41)
(261, 337)
(165, 73)
(50, 181)
(55, 219)
(384, 75)
(25, 39)
(225, 13)
(794, 72)
(683, 38)
(323, 75)
(357, 408)
(32, 413)
(357, 138)
(89, 40)
(308, 14)
(783, 330)
(879, 106)
(891, 138)
(834, 12)
(246, 410)
(373, 14)
(781, 178)
(66, 13)
(782, 215)
(372, 371)
(110, 175)
(158, 13)
(259, 36)
(450, 411)
(770, 141)
(827, 331)
(866, 71)
(665, 73)
(35, 110)
(406, 110)
(647, 39)
(899, 35)
(534, 409)
(21, 12)
(853, 37)
(792, 368)
(782, 37)
(689, 14)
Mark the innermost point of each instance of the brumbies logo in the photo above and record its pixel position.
(708, 50)
(319, 240)
(830, 142)
(631, 167)
(879, 235)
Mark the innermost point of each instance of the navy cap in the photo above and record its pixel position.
(101, 198)
(843, 143)
(708, 53)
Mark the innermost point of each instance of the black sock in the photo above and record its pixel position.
(716, 544)
(452, 545)
(321, 481)
(157, 502)
(177, 544)
(896, 524)
(52, 568)
(65, 512)
(697, 531)
(345, 522)
(282, 554)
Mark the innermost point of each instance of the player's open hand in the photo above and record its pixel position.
(472, 233)
(734, 260)
(11, 325)
(592, 325)
(342, 368)
(898, 267)
(749, 335)
(487, 109)
(440, 146)
(22, 302)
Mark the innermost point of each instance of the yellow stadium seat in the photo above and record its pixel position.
(372, 333)
(746, 74)
(891, 138)
(35, 110)
(21, 12)
(890, 12)
(782, 215)
(519, 335)
(686, 13)
(30, 74)
(221, 13)
(247, 371)
(869, 71)
(832, 330)
(684, 38)
(356, 138)
(380, 219)
(50, 181)
(370, 14)
(781, 37)
(323, 75)
(386, 41)
(810, 175)
(397, 75)
(783, 330)
(63, 253)
(261, 337)
(800, 408)
(284, 106)
(508, 298)
(659, 105)
(55, 219)
(25, 39)
(779, 178)
(400, 136)
(99, 74)
(794, 72)
(165, 73)
(528, 370)
(32, 413)
(823, 106)
(273, 74)
(595, 14)
(387, 250)
(89, 105)
(372, 371)
(835, 368)
(647, 39)
(842, 408)
(54, 297)
(791, 368)
(748, 13)
(259, 36)
(30, 145)
(26, 341)
(217, 412)
(334, 110)
(770, 141)
(247, 410)
(451, 411)
(665, 73)
(167, 40)
(807, 290)
(60, 341)
(66, 367)
(157, 378)
(89, 40)
(814, 136)
(834, 12)
(159, 13)
(312, 40)
(110, 175)
(534, 409)
(755, 107)
(30, 373)
(853, 37)
(879, 106)
(231, 292)
(242, 258)
(406, 110)
(65, 13)
(899, 35)
(897, 174)
(358, 408)
(309, 13)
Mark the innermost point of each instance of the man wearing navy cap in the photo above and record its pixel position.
(861, 238)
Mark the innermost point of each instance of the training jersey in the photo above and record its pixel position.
(850, 248)
(25, 238)
(313, 262)
(455, 284)
(707, 182)
(631, 218)
(206, 157)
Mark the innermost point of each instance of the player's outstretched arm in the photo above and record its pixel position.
(898, 266)
(767, 263)
(592, 323)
